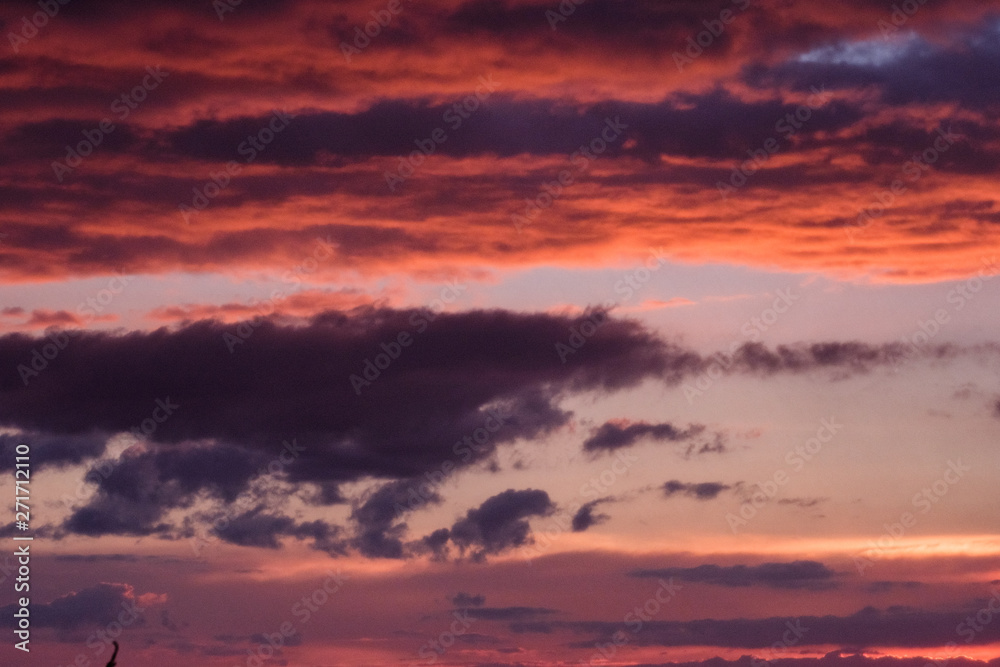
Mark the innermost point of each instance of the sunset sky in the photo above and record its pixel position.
(502, 332)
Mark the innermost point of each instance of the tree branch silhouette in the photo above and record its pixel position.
(112, 663)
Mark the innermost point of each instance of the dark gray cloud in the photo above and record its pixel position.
(839, 658)
(886, 586)
(378, 534)
(466, 600)
(137, 491)
(49, 450)
(614, 435)
(699, 491)
(585, 517)
(801, 502)
(508, 613)
(796, 574)
(96, 606)
(259, 527)
(499, 524)
(238, 409)
(868, 628)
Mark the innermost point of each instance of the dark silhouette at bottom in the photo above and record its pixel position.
(112, 663)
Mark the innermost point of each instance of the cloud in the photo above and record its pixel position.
(95, 606)
(135, 492)
(261, 528)
(377, 537)
(616, 435)
(585, 516)
(466, 600)
(294, 382)
(499, 524)
(701, 491)
(507, 613)
(963, 70)
(868, 628)
(838, 658)
(801, 502)
(796, 574)
(49, 450)
(239, 404)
